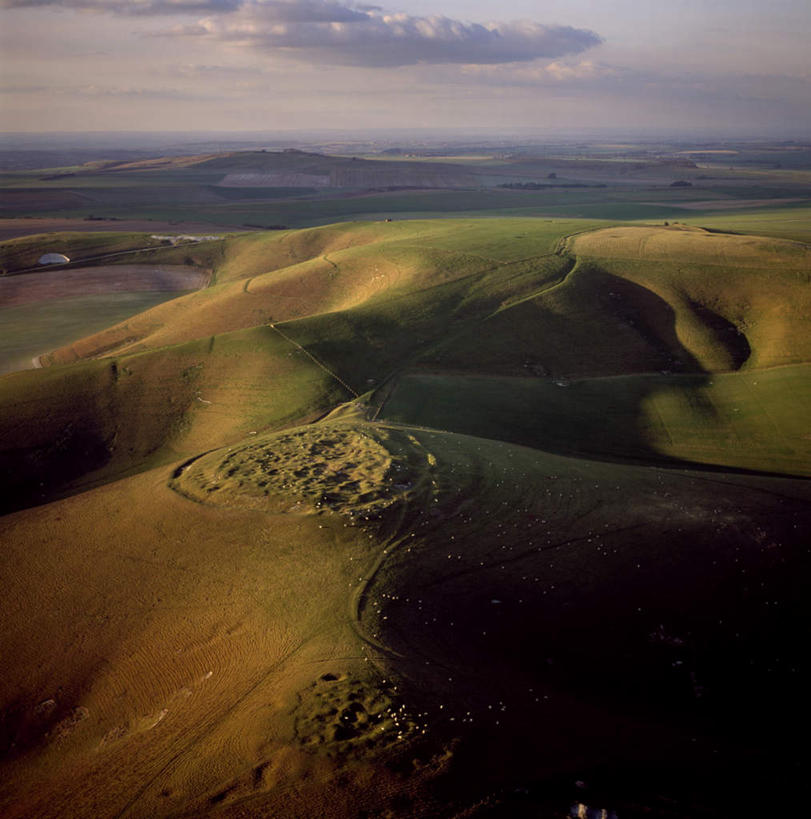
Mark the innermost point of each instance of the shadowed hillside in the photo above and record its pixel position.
(459, 518)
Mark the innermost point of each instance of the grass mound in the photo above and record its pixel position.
(345, 468)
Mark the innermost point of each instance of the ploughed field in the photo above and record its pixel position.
(47, 308)
(433, 518)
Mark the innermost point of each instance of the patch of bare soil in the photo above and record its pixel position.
(85, 281)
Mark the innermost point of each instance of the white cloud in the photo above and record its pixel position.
(337, 33)
(375, 38)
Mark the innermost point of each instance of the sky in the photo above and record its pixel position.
(733, 68)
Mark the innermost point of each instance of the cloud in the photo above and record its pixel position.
(375, 38)
(556, 72)
(337, 33)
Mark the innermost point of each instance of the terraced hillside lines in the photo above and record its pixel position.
(291, 279)
(189, 651)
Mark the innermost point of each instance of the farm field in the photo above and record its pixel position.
(459, 516)
(295, 188)
(42, 311)
(33, 330)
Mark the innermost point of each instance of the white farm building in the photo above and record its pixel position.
(53, 258)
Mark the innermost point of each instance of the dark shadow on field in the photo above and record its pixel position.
(593, 323)
(598, 419)
(565, 411)
(637, 630)
(726, 334)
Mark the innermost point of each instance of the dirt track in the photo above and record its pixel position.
(85, 281)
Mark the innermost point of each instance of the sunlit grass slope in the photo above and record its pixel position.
(98, 419)
(277, 277)
(367, 296)
(728, 292)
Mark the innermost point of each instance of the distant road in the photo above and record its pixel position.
(14, 228)
(99, 257)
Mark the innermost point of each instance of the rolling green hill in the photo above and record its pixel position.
(426, 518)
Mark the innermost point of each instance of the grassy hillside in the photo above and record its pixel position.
(750, 421)
(739, 301)
(290, 275)
(275, 626)
(427, 518)
(67, 426)
(375, 306)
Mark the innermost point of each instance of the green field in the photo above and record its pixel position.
(35, 329)
(485, 204)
